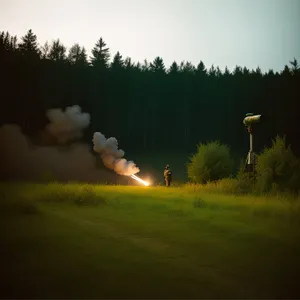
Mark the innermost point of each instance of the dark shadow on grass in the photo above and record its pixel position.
(18, 206)
(83, 198)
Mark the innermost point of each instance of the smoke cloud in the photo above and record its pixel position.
(69, 125)
(20, 159)
(112, 157)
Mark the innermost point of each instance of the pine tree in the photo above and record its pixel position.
(7, 42)
(212, 71)
(117, 62)
(218, 72)
(187, 67)
(58, 51)
(29, 45)
(158, 65)
(270, 73)
(246, 71)
(128, 63)
(227, 72)
(258, 72)
(145, 66)
(295, 67)
(201, 69)
(77, 55)
(174, 68)
(286, 71)
(237, 72)
(138, 66)
(100, 55)
(45, 50)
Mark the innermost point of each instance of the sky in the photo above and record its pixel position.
(249, 33)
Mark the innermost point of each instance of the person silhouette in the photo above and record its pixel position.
(168, 175)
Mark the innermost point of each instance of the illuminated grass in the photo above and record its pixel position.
(90, 241)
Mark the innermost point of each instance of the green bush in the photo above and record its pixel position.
(211, 162)
(278, 168)
(245, 181)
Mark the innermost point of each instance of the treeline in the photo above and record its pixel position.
(146, 106)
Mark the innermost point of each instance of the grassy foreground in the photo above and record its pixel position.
(89, 241)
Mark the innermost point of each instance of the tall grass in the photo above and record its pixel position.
(214, 195)
(139, 241)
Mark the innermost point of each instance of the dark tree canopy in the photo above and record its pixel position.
(7, 42)
(147, 106)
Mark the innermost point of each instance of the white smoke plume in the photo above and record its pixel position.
(112, 156)
(68, 125)
(20, 159)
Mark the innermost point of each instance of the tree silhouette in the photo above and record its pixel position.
(100, 55)
(212, 72)
(295, 67)
(187, 67)
(137, 100)
(45, 50)
(286, 71)
(238, 72)
(138, 66)
(226, 72)
(128, 64)
(158, 65)
(246, 71)
(57, 52)
(218, 72)
(29, 45)
(76, 56)
(174, 68)
(117, 62)
(7, 42)
(201, 69)
(258, 72)
(270, 73)
(145, 66)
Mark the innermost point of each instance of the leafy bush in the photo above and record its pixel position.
(278, 168)
(245, 181)
(231, 186)
(211, 162)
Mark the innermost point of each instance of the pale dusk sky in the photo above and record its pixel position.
(249, 33)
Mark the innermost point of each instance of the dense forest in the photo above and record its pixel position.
(146, 106)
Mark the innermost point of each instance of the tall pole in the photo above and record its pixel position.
(249, 121)
(251, 141)
(250, 158)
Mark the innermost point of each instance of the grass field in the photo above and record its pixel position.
(89, 241)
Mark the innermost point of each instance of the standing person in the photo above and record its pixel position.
(168, 175)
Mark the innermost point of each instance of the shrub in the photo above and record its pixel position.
(245, 181)
(278, 168)
(211, 162)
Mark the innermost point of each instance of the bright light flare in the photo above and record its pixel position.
(140, 180)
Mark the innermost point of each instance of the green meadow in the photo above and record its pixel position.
(100, 241)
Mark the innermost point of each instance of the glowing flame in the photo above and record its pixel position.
(140, 180)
